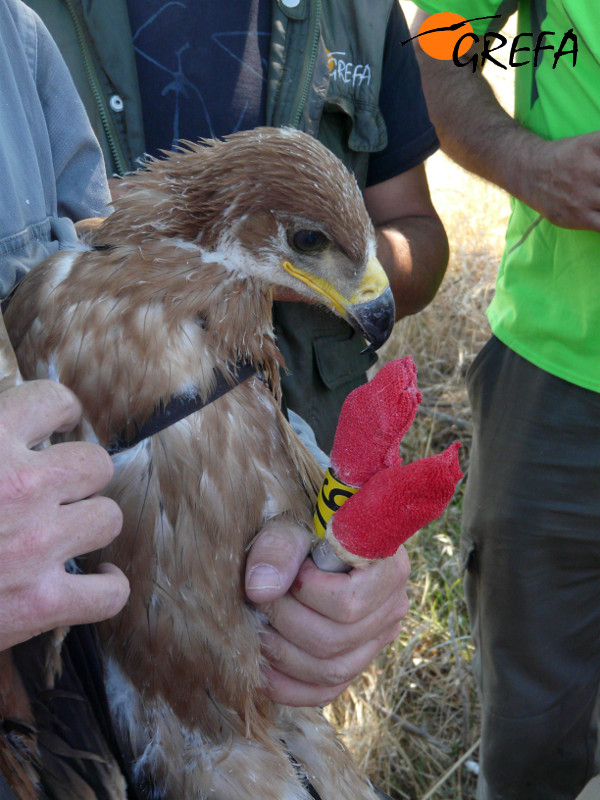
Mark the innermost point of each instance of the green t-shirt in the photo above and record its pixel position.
(547, 301)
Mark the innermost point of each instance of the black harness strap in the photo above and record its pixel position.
(180, 407)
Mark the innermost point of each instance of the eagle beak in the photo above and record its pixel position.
(370, 310)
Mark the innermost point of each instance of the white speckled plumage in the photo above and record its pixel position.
(179, 280)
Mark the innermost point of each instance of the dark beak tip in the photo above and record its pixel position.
(376, 343)
(375, 320)
(370, 348)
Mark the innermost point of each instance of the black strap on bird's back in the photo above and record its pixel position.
(182, 406)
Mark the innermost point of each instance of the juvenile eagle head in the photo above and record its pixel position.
(269, 203)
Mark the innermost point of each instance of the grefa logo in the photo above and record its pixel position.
(448, 36)
(347, 71)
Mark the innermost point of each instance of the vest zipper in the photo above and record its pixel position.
(311, 65)
(90, 72)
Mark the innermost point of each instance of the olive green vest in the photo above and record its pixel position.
(324, 78)
(95, 40)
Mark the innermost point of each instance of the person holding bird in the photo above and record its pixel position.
(50, 508)
(51, 511)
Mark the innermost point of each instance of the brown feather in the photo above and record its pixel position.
(18, 743)
(180, 281)
(191, 198)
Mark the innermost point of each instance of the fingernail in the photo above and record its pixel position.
(263, 576)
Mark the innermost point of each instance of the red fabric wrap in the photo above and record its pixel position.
(373, 420)
(395, 503)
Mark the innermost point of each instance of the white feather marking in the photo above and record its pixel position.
(371, 249)
(125, 458)
(151, 316)
(202, 768)
(184, 244)
(162, 577)
(123, 699)
(87, 432)
(230, 254)
(62, 268)
(52, 372)
(288, 132)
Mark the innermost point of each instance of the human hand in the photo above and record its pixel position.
(325, 628)
(561, 180)
(48, 514)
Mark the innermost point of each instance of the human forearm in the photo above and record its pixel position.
(411, 241)
(559, 179)
(489, 143)
(414, 253)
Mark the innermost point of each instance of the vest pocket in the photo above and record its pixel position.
(339, 359)
(365, 128)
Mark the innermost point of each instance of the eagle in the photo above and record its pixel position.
(161, 323)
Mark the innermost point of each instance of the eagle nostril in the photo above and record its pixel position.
(367, 294)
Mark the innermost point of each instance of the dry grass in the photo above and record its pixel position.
(414, 715)
(412, 721)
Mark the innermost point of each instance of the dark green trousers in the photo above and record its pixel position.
(531, 546)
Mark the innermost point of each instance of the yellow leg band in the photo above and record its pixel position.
(333, 494)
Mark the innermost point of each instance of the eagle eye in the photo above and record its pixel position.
(308, 241)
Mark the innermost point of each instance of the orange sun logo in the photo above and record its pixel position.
(442, 32)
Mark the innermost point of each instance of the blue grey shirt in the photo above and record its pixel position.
(51, 168)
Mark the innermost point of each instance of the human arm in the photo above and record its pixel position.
(324, 628)
(411, 241)
(48, 514)
(412, 244)
(559, 179)
(78, 177)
